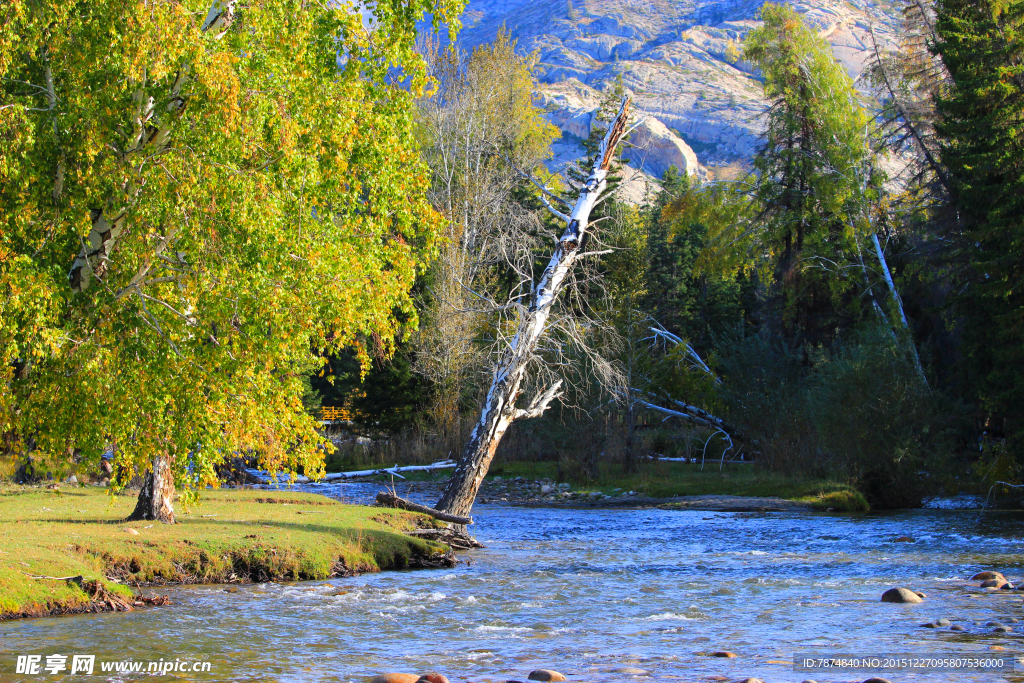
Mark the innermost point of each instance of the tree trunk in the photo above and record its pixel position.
(898, 302)
(157, 494)
(499, 409)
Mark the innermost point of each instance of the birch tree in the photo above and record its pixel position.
(502, 405)
(199, 203)
(480, 128)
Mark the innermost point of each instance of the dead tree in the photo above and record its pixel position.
(501, 406)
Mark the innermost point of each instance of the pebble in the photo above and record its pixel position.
(545, 675)
(942, 622)
(956, 627)
(929, 625)
(724, 653)
(904, 595)
(395, 678)
(985, 576)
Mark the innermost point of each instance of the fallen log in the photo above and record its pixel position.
(393, 501)
(442, 465)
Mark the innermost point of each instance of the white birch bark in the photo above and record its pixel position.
(898, 302)
(108, 222)
(499, 409)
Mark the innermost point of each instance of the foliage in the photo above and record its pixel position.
(285, 218)
(981, 45)
(810, 173)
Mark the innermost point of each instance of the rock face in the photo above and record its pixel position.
(901, 595)
(682, 59)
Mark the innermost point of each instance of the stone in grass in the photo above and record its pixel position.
(545, 675)
(985, 576)
(904, 595)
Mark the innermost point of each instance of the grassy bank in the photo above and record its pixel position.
(667, 479)
(231, 536)
(658, 479)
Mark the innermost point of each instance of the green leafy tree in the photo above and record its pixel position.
(198, 203)
(980, 127)
(696, 304)
(808, 183)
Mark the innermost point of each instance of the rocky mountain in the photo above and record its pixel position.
(682, 59)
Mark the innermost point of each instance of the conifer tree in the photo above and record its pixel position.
(981, 127)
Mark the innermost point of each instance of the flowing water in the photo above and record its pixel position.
(599, 595)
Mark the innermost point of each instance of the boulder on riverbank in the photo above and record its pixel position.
(901, 595)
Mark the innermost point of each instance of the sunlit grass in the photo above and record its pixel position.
(230, 535)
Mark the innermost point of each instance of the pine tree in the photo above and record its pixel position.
(981, 126)
(804, 184)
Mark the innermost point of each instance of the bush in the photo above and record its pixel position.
(873, 411)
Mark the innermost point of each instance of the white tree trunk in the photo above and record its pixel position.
(898, 302)
(499, 409)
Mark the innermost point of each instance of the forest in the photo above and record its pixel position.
(217, 221)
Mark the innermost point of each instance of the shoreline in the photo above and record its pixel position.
(70, 551)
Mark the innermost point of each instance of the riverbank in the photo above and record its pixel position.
(68, 550)
(657, 483)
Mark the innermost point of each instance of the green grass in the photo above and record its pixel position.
(231, 535)
(667, 479)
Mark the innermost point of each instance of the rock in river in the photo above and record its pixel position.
(901, 595)
(631, 670)
(942, 622)
(996, 583)
(395, 678)
(877, 680)
(725, 654)
(545, 675)
(985, 576)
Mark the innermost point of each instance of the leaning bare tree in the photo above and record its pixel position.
(501, 405)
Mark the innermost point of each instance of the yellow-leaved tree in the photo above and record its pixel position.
(197, 203)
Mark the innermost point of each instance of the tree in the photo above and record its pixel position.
(235, 194)
(481, 131)
(807, 186)
(982, 47)
(531, 324)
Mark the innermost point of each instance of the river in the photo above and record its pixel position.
(598, 594)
